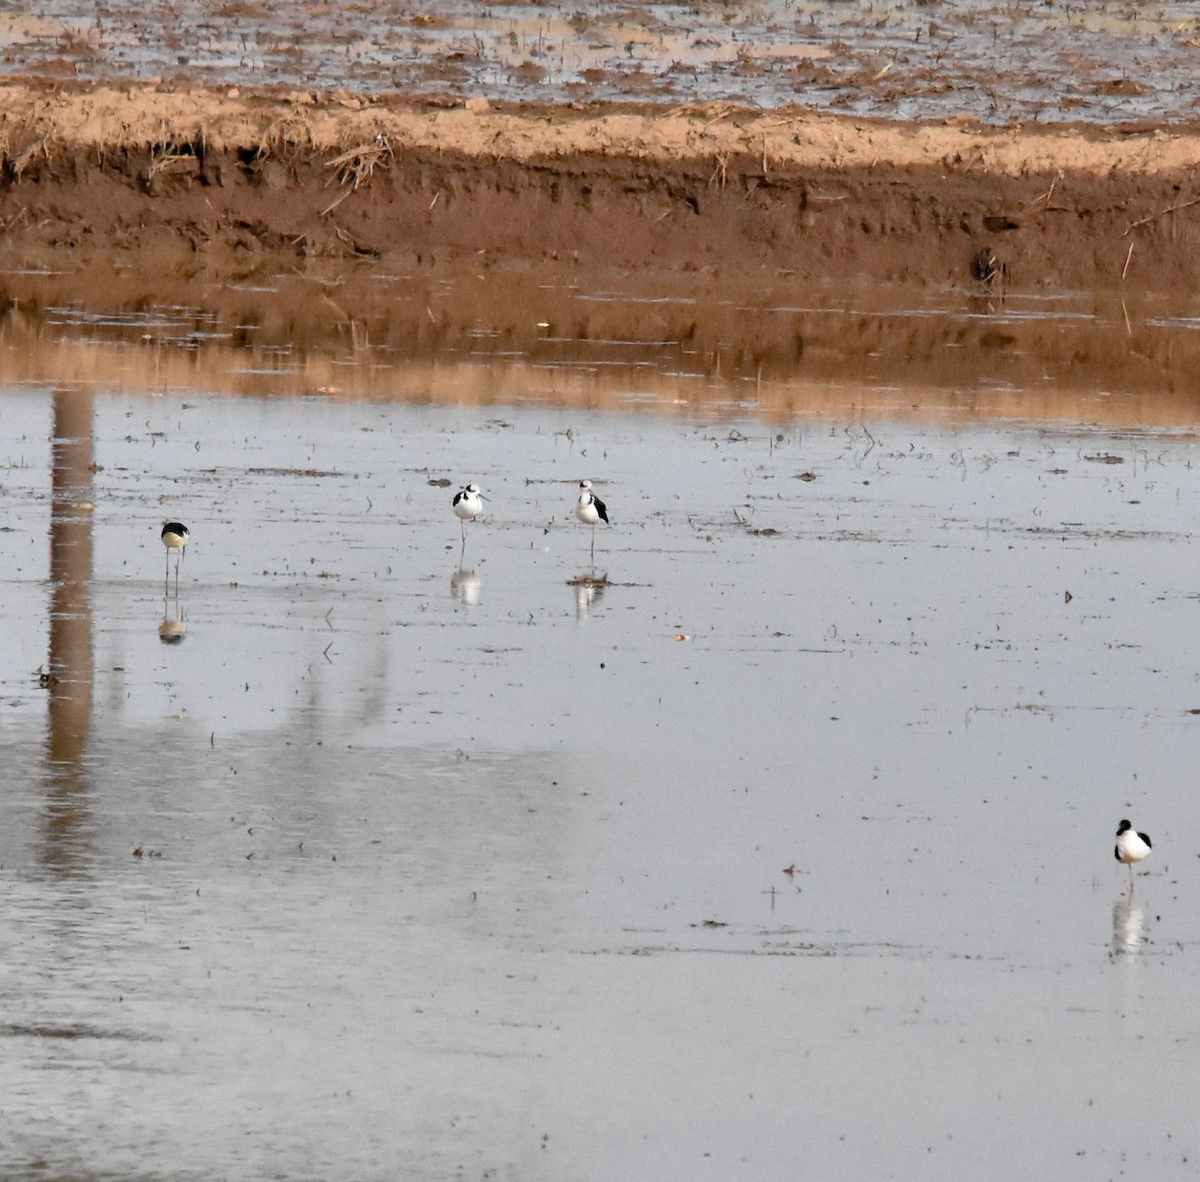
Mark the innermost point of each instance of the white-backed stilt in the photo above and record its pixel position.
(175, 537)
(590, 510)
(1131, 847)
(467, 505)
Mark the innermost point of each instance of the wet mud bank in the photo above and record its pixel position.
(721, 190)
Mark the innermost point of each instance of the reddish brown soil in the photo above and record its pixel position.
(232, 176)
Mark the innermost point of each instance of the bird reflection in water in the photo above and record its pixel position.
(1131, 930)
(173, 628)
(465, 586)
(588, 591)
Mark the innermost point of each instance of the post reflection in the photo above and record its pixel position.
(70, 665)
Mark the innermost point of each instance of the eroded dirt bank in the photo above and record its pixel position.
(230, 175)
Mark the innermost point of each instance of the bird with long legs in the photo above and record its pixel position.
(467, 505)
(174, 537)
(1131, 847)
(591, 510)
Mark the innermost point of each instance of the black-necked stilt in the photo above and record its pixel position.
(1131, 847)
(590, 510)
(175, 537)
(467, 505)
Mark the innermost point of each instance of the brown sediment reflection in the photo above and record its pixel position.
(70, 681)
(667, 344)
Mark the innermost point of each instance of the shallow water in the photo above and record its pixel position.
(906, 59)
(702, 347)
(340, 859)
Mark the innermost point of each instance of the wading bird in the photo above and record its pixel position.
(590, 510)
(175, 537)
(1131, 847)
(467, 505)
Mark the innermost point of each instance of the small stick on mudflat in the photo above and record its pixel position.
(1162, 213)
(1125, 269)
(354, 168)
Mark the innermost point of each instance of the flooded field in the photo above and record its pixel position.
(906, 59)
(783, 832)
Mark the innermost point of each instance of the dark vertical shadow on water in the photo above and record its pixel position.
(70, 664)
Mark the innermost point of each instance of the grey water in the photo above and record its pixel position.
(781, 834)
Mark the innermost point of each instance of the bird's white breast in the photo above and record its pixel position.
(1130, 847)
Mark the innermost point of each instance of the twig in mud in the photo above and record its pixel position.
(1125, 269)
(356, 166)
(161, 159)
(1162, 213)
(724, 110)
(720, 175)
(22, 215)
(1047, 194)
(767, 531)
(697, 110)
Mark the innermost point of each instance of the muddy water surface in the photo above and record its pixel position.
(782, 832)
(907, 59)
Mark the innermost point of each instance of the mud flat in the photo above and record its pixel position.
(227, 174)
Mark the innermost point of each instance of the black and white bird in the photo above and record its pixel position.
(590, 510)
(467, 505)
(175, 537)
(1131, 847)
